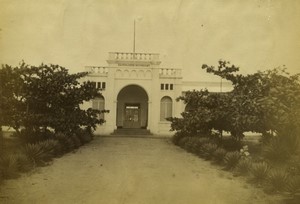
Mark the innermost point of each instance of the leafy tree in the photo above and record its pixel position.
(46, 96)
(261, 102)
(243, 113)
(281, 106)
(10, 88)
(205, 112)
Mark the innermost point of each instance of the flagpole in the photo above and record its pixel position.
(134, 42)
(133, 36)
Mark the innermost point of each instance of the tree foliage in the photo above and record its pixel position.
(261, 102)
(46, 96)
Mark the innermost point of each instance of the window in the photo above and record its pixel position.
(166, 87)
(165, 108)
(103, 85)
(100, 85)
(98, 104)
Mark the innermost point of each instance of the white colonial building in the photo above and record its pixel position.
(139, 94)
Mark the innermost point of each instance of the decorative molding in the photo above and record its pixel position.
(133, 73)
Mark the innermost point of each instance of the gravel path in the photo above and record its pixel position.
(130, 170)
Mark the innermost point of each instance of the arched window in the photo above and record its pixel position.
(98, 104)
(165, 108)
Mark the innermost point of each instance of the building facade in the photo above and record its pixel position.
(138, 93)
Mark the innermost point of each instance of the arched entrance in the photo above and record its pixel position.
(132, 107)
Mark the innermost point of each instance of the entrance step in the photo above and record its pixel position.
(131, 131)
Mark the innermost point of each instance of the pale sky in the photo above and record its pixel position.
(253, 34)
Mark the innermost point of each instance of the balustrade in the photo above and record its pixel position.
(169, 72)
(97, 70)
(133, 56)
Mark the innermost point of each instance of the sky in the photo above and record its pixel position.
(254, 34)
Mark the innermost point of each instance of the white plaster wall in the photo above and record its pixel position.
(147, 78)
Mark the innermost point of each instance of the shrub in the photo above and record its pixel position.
(260, 171)
(67, 144)
(278, 179)
(35, 153)
(293, 186)
(189, 144)
(30, 136)
(177, 137)
(201, 141)
(58, 149)
(12, 164)
(231, 159)
(208, 150)
(275, 151)
(266, 137)
(194, 144)
(294, 165)
(84, 135)
(49, 145)
(245, 152)
(1, 178)
(76, 141)
(41, 152)
(70, 144)
(182, 141)
(8, 166)
(244, 166)
(24, 164)
(219, 154)
(197, 145)
(230, 144)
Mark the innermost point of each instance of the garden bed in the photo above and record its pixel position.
(248, 160)
(19, 156)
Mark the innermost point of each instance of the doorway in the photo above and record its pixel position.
(132, 117)
(132, 107)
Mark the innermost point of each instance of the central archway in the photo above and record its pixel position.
(132, 107)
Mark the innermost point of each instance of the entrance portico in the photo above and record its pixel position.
(138, 93)
(132, 107)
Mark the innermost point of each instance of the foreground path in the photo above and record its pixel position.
(130, 170)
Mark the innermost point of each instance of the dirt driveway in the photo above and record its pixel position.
(130, 170)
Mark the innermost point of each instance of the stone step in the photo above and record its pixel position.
(131, 131)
